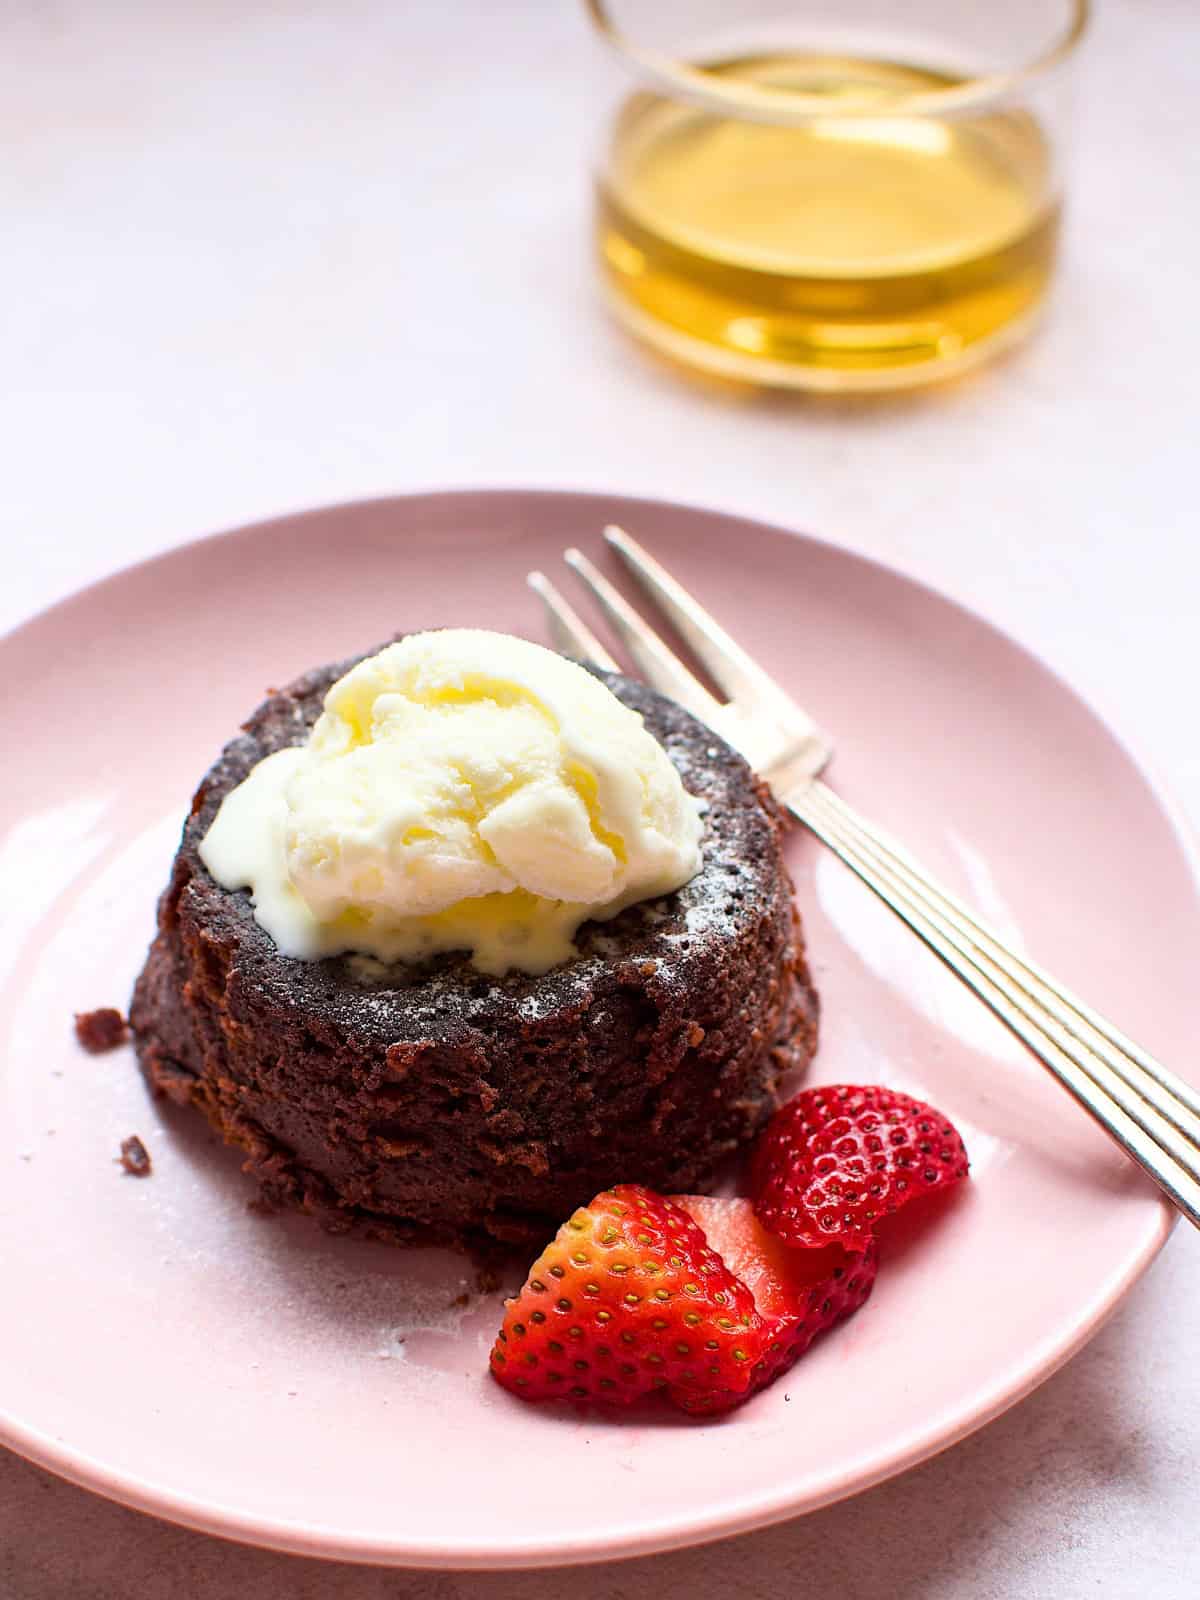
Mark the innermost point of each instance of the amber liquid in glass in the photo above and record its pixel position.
(847, 253)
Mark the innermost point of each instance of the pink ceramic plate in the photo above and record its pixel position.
(162, 1344)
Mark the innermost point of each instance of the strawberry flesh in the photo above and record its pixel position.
(798, 1294)
(837, 1159)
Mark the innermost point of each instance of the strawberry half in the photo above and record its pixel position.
(627, 1298)
(836, 1159)
(798, 1294)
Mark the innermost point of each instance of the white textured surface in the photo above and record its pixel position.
(263, 255)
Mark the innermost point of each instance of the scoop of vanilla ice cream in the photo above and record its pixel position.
(460, 790)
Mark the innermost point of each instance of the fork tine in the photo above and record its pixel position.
(660, 667)
(732, 669)
(569, 632)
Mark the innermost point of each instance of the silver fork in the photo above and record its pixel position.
(1153, 1115)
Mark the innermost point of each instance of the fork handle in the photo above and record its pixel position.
(1153, 1115)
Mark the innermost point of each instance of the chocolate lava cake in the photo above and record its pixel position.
(437, 1105)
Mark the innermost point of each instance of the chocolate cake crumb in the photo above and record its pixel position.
(101, 1030)
(135, 1158)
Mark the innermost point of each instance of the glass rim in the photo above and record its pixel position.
(761, 103)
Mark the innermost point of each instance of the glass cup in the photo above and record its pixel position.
(863, 205)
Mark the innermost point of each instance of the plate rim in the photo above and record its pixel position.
(634, 1540)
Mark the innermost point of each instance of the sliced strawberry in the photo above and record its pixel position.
(797, 1293)
(627, 1298)
(836, 1159)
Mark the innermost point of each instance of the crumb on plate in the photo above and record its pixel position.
(135, 1158)
(100, 1030)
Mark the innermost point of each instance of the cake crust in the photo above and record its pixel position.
(442, 1106)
